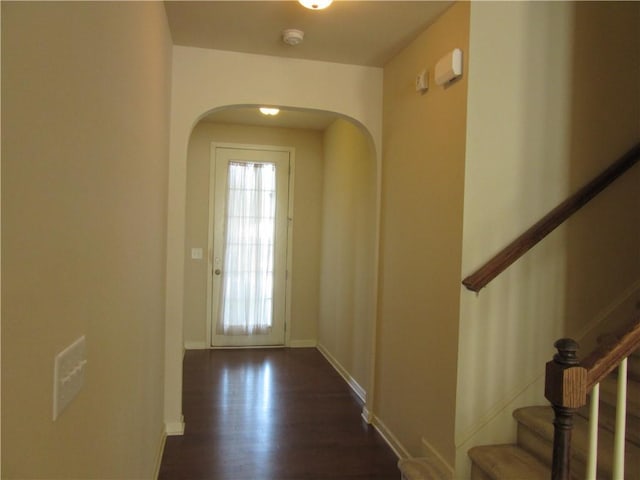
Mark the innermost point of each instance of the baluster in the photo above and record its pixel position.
(621, 418)
(594, 414)
(565, 388)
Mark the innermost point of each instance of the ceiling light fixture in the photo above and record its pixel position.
(269, 111)
(315, 4)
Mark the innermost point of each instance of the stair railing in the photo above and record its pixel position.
(521, 245)
(567, 379)
(567, 383)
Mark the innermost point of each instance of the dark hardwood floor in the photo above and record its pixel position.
(272, 414)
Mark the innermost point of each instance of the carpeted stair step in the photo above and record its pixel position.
(419, 469)
(531, 458)
(633, 364)
(535, 434)
(607, 419)
(506, 462)
(608, 397)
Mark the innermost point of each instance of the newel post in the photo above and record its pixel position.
(566, 389)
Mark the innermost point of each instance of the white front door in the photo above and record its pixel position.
(249, 255)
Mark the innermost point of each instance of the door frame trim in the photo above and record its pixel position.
(287, 308)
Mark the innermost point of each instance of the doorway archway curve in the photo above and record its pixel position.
(295, 117)
(205, 81)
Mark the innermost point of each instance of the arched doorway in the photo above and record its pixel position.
(333, 221)
(204, 81)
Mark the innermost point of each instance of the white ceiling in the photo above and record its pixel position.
(350, 31)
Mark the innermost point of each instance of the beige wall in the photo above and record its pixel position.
(603, 241)
(422, 193)
(307, 203)
(85, 114)
(553, 98)
(348, 241)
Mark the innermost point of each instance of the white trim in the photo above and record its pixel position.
(174, 428)
(212, 180)
(310, 343)
(433, 457)
(163, 441)
(366, 415)
(508, 403)
(188, 345)
(594, 412)
(245, 347)
(390, 438)
(620, 422)
(355, 386)
(377, 155)
(290, 223)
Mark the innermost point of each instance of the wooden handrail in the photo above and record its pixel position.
(512, 252)
(567, 382)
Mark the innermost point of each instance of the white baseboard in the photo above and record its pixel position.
(355, 386)
(174, 428)
(390, 438)
(303, 343)
(367, 416)
(195, 345)
(308, 343)
(163, 441)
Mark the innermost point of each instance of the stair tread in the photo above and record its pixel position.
(607, 419)
(608, 394)
(539, 419)
(419, 468)
(507, 462)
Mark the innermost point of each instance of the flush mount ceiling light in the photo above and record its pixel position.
(292, 36)
(269, 111)
(315, 4)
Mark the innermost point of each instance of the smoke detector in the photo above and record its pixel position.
(292, 36)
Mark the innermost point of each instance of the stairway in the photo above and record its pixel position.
(530, 458)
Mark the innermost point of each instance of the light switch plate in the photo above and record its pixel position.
(196, 253)
(68, 375)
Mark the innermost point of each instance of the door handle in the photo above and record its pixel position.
(217, 271)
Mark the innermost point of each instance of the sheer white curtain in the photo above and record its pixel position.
(247, 287)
